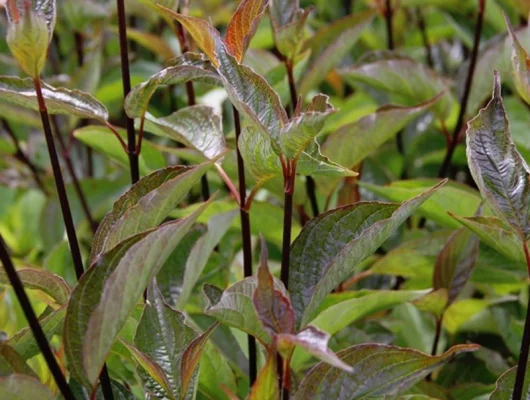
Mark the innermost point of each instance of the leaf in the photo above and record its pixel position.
(315, 342)
(434, 302)
(187, 67)
(266, 385)
(455, 262)
(125, 285)
(58, 100)
(505, 383)
(23, 387)
(198, 127)
(345, 236)
(500, 172)
(145, 205)
(12, 363)
(520, 64)
(201, 252)
(150, 41)
(51, 284)
(352, 143)
(215, 372)
(409, 81)
(272, 306)
(288, 23)
(330, 45)
(378, 370)
(243, 26)
(191, 358)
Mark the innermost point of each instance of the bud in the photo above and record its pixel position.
(29, 32)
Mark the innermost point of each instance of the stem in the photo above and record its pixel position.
(34, 324)
(79, 48)
(467, 89)
(389, 30)
(437, 335)
(425, 38)
(247, 245)
(289, 182)
(523, 355)
(22, 157)
(126, 82)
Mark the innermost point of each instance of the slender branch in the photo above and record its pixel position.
(425, 38)
(126, 82)
(523, 355)
(437, 335)
(467, 90)
(246, 237)
(389, 29)
(34, 324)
(289, 181)
(79, 48)
(22, 157)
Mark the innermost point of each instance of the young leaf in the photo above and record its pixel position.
(124, 286)
(51, 284)
(23, 387)
(288, 23)
(520, 64)
(455, 262)
(346, 236)
(58, 100)
(314, 341)
(272, 306)
(379, 370)
(12, 363)
(243, 25)
(504, 385)
(266, 385)
(500, 172)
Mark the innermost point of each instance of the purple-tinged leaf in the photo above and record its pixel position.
(23, 387)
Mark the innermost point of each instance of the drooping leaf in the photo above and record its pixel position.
(197, 126)
(145, 205)
(23, 387)
(51, 284)
(314, 341)
(351, 143)
(505, 383)
(520, 65)
(330, 45)
(455, 262)
(124, 286)
(243, 25)
(500, 172)
(331, 245)
(266, 385)
(378, 370)
(58, 100)
(12, 363)
(272, 306)
(409, 81)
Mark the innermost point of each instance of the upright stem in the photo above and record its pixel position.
(389, 30)
(523, 355)
(126, 82)
(437, 335)
(425, 38)
(34, 324)
(246, 237)
(289, 181)
(467, 89)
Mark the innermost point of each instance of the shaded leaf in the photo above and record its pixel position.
(330, 247)
(520, 65)
(58, 100)
(215, 371)
(23, 387)
(12, 363)
(505, 383)
(500, 172)
(266, 386)
(378, 370)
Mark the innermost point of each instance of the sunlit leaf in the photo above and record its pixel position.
(215, 371)
(520, 65)
(12, 363)
(266, 385)
(23, 387)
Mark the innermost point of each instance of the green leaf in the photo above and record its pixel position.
(379, 370)
(500, 172)
(288, 23)
(455, 262)
(454, 197)
(58, 100)
(352, 143)
(520, 64)
(346, 236)
(330, 45)
(12, 363)
(214, 372)
(125, 285)
(505, 383)
(189, 66)
(198, 127)
(145, 205)
(102, 140)
(152, 42)
(201, 252)
(23, 387)
(407, 80)
(51, 284)
(266, 386)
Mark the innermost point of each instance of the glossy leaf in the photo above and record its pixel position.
(197, 126)
(455, 262)
(346, 236)
(12, 363)
(124, 286)
(500, 172)
(378, 370)
(266, 385)
(51, 284)
(520, 65)
(58, 100)
(505, 383)
(23, 387)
